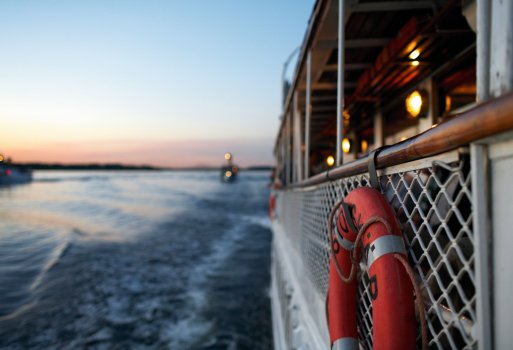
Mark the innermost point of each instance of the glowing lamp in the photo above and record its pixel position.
(416, 104)
(415, 63)
(1, 158)
(228, 174)
(227, 156)
(448, 103)
(346, 145)
(414, 54)
(330, 160)
(347, 118)
(364, 145)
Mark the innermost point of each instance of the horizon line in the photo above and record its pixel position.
(141, 166)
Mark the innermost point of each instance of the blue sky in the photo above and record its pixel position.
(162, 82)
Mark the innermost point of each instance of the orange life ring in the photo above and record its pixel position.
(391, 290)
(341, 303)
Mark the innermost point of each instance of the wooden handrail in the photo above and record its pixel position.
(487, 119)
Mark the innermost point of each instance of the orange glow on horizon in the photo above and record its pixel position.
(190, 153)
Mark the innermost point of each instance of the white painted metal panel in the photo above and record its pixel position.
(501, 171)
(482, 229)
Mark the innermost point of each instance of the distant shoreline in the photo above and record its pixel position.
(58, 166)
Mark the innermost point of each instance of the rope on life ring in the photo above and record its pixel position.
(367, 227)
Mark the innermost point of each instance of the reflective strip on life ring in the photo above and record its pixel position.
(384, 245)
(393, 314)
(345, 344)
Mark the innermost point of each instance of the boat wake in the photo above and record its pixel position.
(185, 332)
(182, 283)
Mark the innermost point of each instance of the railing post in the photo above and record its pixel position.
(288, 154)
(378, 128)
(307, 114)
(483, 50)
(340, 81)
(297, 139)
(501, 44)
(284, 153)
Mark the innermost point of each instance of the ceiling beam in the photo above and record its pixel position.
(324, 98)
(316, 109)
(352, 43)
(332, 86)
(348, 66)
(358, 66)
(368, 42)
(389, 6)
(321, 115)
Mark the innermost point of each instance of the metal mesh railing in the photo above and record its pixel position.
(434, 207)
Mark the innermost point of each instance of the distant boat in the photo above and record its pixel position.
(13, 174)
(229, 172)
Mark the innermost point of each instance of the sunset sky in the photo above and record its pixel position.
(166, 83)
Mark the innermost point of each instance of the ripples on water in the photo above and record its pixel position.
(135, 260)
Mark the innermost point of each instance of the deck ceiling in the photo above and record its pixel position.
(441, 34)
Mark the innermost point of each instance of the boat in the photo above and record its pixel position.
(416, 116)
(11, 174)
(229, 172)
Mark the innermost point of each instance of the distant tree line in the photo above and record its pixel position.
(92, 166)
(115, 166)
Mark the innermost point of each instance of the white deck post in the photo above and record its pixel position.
(480, 195)
(285, 149)
(483, 49)
(292, 145)
(297, 139)
(284, 152)
(378, 128)
(308, 113)
(340, 81)
(288, 154)
(501, 45)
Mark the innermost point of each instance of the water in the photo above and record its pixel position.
(135, 260)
